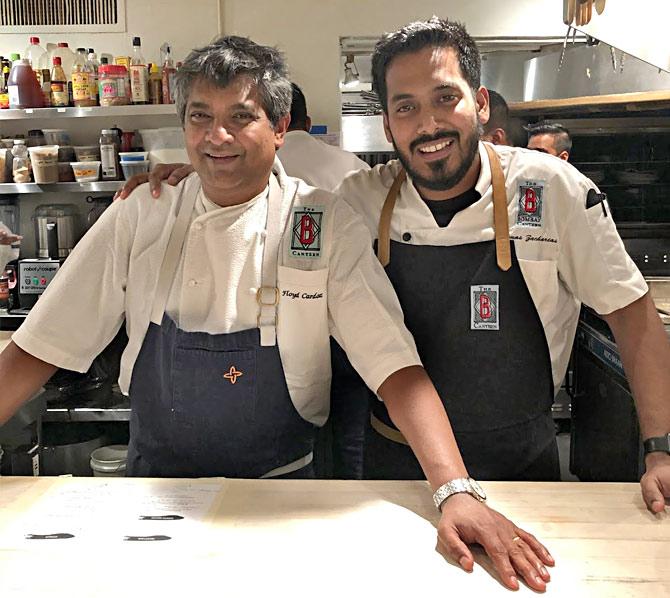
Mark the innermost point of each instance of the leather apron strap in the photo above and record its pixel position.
(500, 220)
(384, 237)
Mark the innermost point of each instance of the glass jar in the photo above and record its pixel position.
(113, 85)
(21, 170)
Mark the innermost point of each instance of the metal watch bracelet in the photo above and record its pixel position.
(458, 486)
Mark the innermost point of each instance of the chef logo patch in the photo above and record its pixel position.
(531, 195)
(484, 304)
(307, 224)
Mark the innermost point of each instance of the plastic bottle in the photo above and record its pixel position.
(139, 76)
(22, 86)
(59, 94)
(155, 85)
(169, 72)
(66, 56)
(21, 162)
(93, 65)
(109, 155)
(46, 87)
(35, 53)
(81, 80)
(4, 96)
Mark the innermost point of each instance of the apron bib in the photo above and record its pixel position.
(216, 404)
(482, 343)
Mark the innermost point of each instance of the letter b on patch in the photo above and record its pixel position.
(531, 196)
(484, 307)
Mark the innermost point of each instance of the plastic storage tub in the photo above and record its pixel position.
(44, 160)
(109, 461)
(133, 156)
(86, 172)
(57, 137)
(87, 153)
(133, 168)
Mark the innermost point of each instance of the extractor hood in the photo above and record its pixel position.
(638, 28)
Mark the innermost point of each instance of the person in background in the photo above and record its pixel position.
(7, 240)
(230, 287)
(338, 451)
(310, 159)
(495, 130)
(501, 128)
(550, 138)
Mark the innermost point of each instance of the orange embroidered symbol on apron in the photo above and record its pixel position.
(233, 374)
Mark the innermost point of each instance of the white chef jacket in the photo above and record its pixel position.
(334, 286)
(567, 254)
(315, 162)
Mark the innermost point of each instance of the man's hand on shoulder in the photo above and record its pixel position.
(513, 551)
(171, 173)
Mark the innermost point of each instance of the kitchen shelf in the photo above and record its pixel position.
(85, 409)
(620, 102)
(621, 162)
(89, 112)
(97, 187)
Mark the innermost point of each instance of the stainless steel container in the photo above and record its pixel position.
(56, 230)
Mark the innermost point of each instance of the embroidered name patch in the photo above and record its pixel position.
(306, 232)
(531, 195)
(484, 306)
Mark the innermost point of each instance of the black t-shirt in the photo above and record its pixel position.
(444, 210)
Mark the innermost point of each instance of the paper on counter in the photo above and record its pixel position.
(116, 514)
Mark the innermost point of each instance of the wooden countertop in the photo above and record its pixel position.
(333, 538)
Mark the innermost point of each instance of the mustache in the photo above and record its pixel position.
(439, 136)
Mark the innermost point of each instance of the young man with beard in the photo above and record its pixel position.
(491, 252)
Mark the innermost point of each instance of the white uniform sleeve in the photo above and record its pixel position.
(366, 318)
(593, 262)
(83, 307)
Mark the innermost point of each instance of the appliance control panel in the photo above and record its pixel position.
(35, 275)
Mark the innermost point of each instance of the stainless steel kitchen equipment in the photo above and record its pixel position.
(33, 278)
(56, 230)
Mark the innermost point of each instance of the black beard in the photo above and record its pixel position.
(441, 181)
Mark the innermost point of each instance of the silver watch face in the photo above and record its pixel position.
(478, 489)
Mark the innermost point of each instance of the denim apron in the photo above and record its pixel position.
(494, 377)
(216, 404)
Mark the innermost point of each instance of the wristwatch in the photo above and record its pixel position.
(458, 486)
(659, 444)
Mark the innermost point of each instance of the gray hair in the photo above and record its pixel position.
(229, 57)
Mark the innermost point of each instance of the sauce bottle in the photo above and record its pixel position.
(4, 96)
(93, 65)
(109, 155)
(46, 87)
(155, 85)
(59, 93)
(168, 78)
(139, 77)
(81, 90)
(22, 86)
